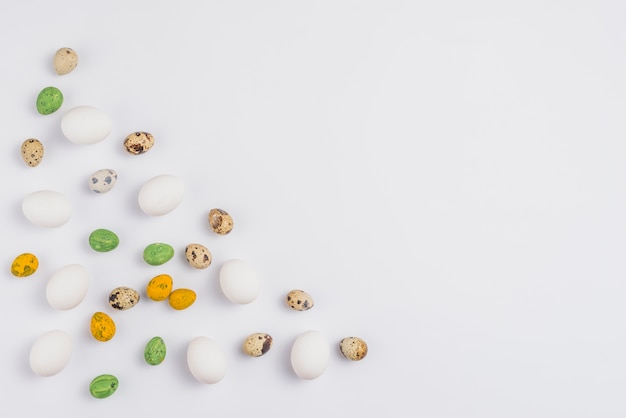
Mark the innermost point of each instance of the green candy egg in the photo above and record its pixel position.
(154, 354)
(158, 253)
(103, 386)
(103, 240)
(49, 100)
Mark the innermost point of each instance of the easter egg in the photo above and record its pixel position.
(160, 287)
(102, 327)
(103, 386)
(158, 253)
(103, 240)
(155, 351)
(49, 100)
(65, 60)
(24, 265)
(32, 152)
(103, 180)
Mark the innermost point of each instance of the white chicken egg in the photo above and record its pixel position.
(86, 125)
(47, 208)
(239, 281)
(206, 360)
(67, 287)
(161, 194)
(310, 355)
(50, 353)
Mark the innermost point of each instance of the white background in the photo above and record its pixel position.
(446, 179)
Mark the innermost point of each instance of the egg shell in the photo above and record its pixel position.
(85, 125)
(182, 299)
(206, 360)
(198, 256)
(239, 281)
(32, 152)
(161, 194)
(160, 287)
(102, 326)
(310, 355)
(103, 386)
(158, 253)
(24, 265)
(49, 100)
(50, 353)
(65, 60)
(102, 180)
(47, 208)
(67, 287)
(123, 298)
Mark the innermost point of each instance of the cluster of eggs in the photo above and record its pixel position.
(67, 287)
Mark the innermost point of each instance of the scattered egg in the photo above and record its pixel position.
(161, 194)
(310, 355)
(239, 281)
(85, 125)
(47, 208)
(32, 152)
(102, 180)
(65, 60)
(206, 360)
(67, 287)
(24, 265)
(50, 353)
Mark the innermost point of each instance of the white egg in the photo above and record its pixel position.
(47, 208)
(239, 282)
(85, 125)
(206, 360)
(310, 355)
(161, 194)
(50, 353)
(67, 287)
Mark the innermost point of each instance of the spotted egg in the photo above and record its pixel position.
(123, 298)
(255, 345)
(32, 152)
(102, 180)
(198, 256)
(138, 143)
(299, 300)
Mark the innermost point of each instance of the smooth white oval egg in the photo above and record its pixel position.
(310, 355)
(47, 208)
(239, 282)
(67, 287)
(161, 194)
(85, 125)
(206, 360)
(50, 353)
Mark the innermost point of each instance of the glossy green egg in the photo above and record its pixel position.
(103, 386)
(154, 354)
(158, 253)
(103, 240)
(49, 100)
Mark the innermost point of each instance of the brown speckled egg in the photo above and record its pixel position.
(198, 256)
(65, 60)
(257, 344)
(138, 143)
(299, 300)
(353, 348)
(32, 152)
(220, 221)
(122, 298)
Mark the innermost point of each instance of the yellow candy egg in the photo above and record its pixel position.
(182, 299)
(160, 287)
(102, 326)
(24, 265)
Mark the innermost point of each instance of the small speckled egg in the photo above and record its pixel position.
(198, 256)
(220, 221)
(299, 300)
(182, 299)
(155, 351)
(158, 253)
(353, 348)
(32, 152)
(49, 100)
(255, 345)
(103, 386)
(103, 240)
(65, 60)
(138, 143)
(160, 287)
(103, 180)
(102, 326)
(123, 298)
(24, 265)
